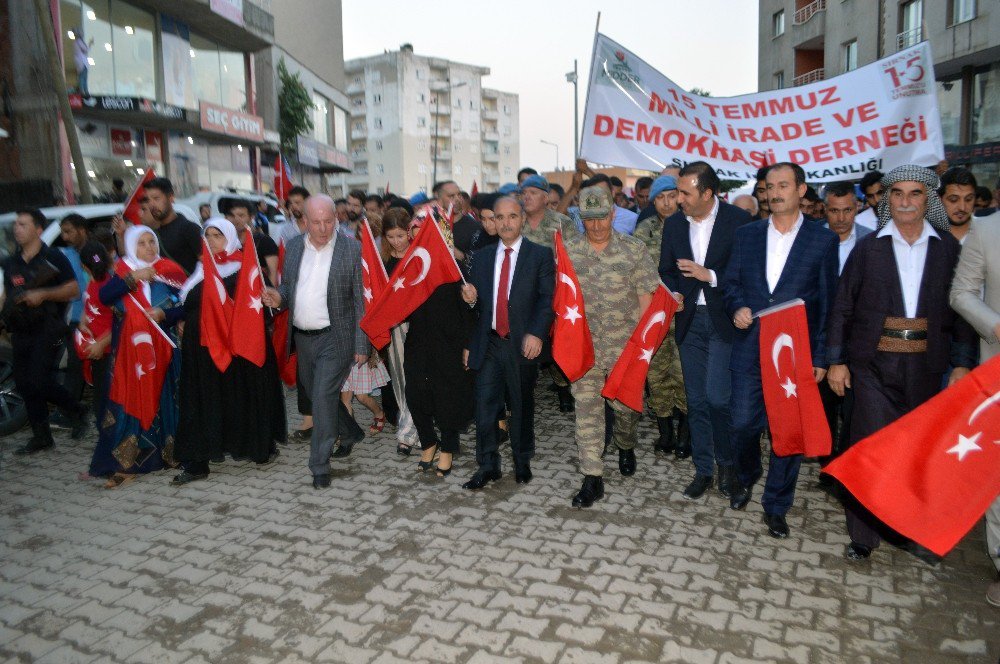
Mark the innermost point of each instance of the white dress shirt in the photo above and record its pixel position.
(498, 266)
(700, 234)
(867, 218)
(779, 245)
(311, 311)
(847, 246)
(910, 260)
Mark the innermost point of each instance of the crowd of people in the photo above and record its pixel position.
(896, 311)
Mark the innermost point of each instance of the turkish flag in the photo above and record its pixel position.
(167, 271)
(572, 345)
(627, 380)
(287, 364)
(427, 264)
(82, 341)
(373, 275)
(144, 354)
(132, 211)
(216, 314)
(282, 178)
(931, 474)
(794, 409)
(246, 334)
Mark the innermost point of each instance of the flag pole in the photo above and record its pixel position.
(150, 318)
(256, 257)
(593, 65)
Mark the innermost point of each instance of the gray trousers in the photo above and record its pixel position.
(993, 532)
(323, 366)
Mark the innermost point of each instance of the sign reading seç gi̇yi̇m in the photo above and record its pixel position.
(237, 124)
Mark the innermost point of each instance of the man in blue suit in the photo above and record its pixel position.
(774, 260)
(511, 287)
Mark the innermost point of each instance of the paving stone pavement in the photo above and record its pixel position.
(389, 565)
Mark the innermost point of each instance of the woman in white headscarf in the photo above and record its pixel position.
(239, 410)
(144, 283)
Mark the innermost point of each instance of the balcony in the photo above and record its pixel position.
(803, 14)
(359, 132)
(354, 88)
(491, 178)
(441, 131)
(909, 38)
(491, 114)
(491, 157)
(491, 136)
(810, 77)
(359, 110)
(444, 155)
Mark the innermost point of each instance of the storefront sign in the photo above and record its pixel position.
(307, 151)
(231, 9)
(981, 153)
(320, 155)
(231, 123)
(121, 142)
(126, 105)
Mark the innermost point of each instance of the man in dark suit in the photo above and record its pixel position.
(511, 288)
(773, 261)
(322, 289)
(695, 250)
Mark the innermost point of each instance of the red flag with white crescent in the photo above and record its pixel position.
(246, 334)
(931, 474)
(791, 397)
(627, 379)
(132, 211)
(287, 364)
(427, 264)
(572, 345)
(141, 364)
(373, 275)
(216, 313)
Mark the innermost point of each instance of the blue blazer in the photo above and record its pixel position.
(810, 274)
(529, 306)
(676, 244)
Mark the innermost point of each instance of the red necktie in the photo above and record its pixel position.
(503, 326)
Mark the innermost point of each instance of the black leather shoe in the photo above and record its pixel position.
(321, 481)
(740, 496)
(776, 525)
(727, 476)
(185, 478)
(666, 442)
(855, 551)
(593, 489)
(699, 485)
(626, 462)
(522, 475)
(345, 447)
(683, 446)
(302, 435)
(78, 424)
(41, 439)
(566, 402)
(481, 478)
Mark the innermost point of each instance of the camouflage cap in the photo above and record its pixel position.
(595, 203)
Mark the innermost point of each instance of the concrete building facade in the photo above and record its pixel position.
(802, 41)
(415, 120)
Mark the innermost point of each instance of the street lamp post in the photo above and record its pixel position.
(556, 146)
(572, 77)
(437, 106)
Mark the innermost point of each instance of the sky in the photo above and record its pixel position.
(530, 46)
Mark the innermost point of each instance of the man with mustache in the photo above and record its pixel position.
(958, 194)
(892, 334)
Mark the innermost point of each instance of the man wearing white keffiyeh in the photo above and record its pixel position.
(892, 335)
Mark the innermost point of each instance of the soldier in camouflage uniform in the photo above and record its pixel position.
(667, 398)
(540, 226)
(617, 278)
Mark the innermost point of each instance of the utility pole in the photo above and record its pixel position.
(59, 81)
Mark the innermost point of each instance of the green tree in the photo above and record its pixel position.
(294, 108)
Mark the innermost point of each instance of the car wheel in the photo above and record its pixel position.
(13, 415)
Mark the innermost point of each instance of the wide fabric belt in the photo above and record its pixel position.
(903, 335)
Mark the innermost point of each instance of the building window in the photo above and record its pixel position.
(380, 169)
(475, 170)
(457, 170)
(422, 144)
(378, 145)
(851, 55)
(458, 147)
(377, 123)
(986, 106)
(218, 74)
(961, 11)
(779, 80)
(456, 125)
(321, 118)
(422, 169)
(506, 109)
(376, 99)
(778, 24)
(506, 130)
(949, 94)
(421, 122)
(422, 98)
(506, 150)
(508, 171)
(357, 80)
(339, 128)
(911, 16)
(474, 148)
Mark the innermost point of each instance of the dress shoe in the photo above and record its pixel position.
(522, 474)
(626, 462)
(321, 481)
(593, 489)
(726, 478)
(855, 551)
(776, 525)
(667, 441)
(481, 478)
(682, 450)
(740, 495)
(993, 593)
(345, 447)
(566, 402)
(699, 485)
(302, 435)
(41, 439)
(186, 478)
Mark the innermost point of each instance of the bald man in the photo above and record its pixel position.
(322, 289)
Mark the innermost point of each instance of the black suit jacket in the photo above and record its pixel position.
(676, 244)
(869, 291)
(529, 305)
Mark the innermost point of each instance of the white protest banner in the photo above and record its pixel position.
(876, 117)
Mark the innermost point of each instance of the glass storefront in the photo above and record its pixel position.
(986, 105)
(949, 95)
(108, 47)
(113, 152)
(219, 75)
(198, 164)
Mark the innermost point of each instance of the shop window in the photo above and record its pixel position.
(986, 106)
(218, 74)
(339, 128)
(321, 118)
(950, 108)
